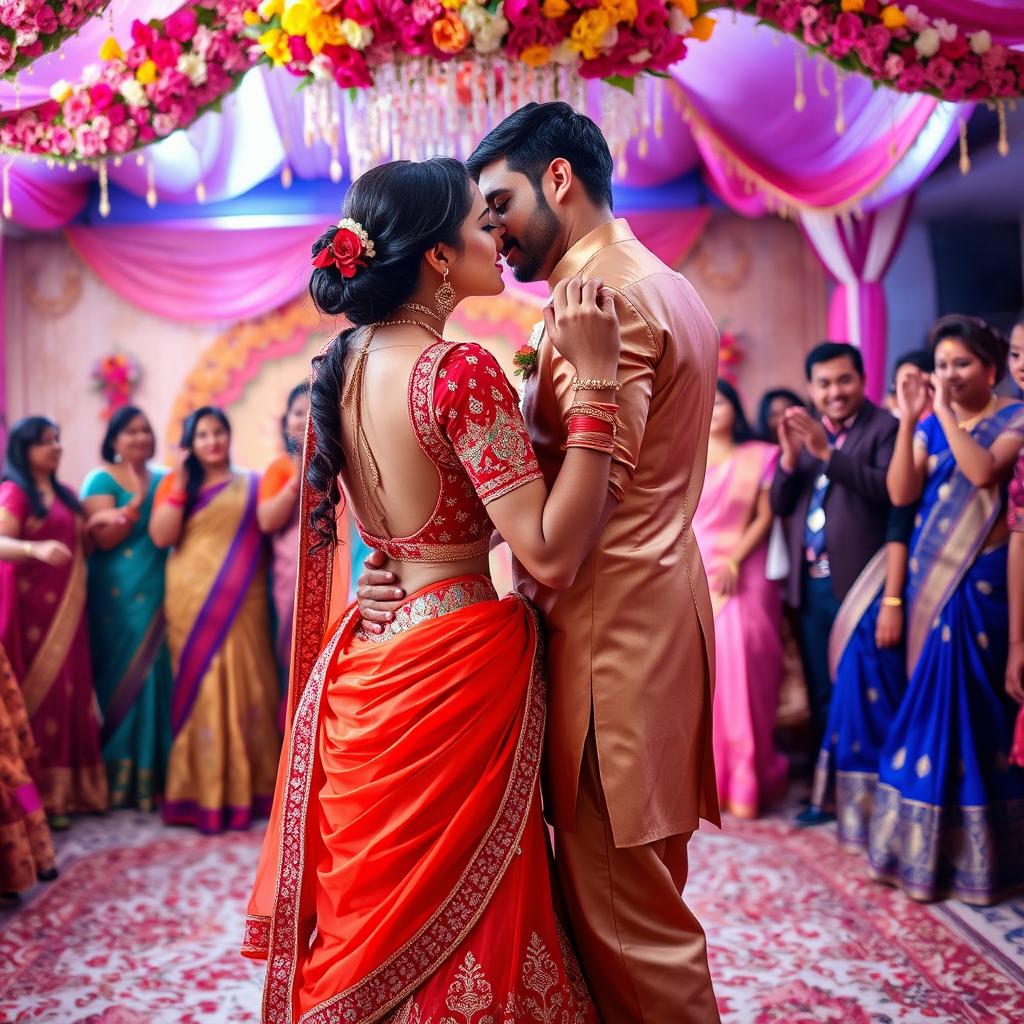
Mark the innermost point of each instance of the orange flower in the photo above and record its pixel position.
(450, 35)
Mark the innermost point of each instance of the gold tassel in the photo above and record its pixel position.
(140, 160)
(840, 112)
(819, 76)
(200, 192)
(965, 155)
(286, 175)
(799, 97)
(1004, 142)
(104, 191)
(336, 170)
(8, 207)
(151, 196)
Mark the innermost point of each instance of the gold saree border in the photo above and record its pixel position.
(384, 988)
(957, 557)
(61, 634)
(854, 607)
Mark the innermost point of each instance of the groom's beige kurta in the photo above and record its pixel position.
(629, 767)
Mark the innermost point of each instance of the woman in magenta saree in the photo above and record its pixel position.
(42, 619)
(948, 814)
(405, 876)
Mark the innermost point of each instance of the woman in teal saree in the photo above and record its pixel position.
(131, 665)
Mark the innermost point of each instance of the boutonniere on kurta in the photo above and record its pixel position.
(524, 359)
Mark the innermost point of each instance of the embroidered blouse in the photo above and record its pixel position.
(467, 420)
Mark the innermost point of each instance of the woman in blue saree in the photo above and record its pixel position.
(867, 659)
(948, 815)
(127, 630)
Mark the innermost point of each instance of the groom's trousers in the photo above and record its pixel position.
(643, 951)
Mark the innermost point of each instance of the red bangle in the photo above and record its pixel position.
(176, 500)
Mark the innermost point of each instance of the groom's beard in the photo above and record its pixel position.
(536, 242)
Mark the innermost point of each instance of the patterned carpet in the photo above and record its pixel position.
(143, 924)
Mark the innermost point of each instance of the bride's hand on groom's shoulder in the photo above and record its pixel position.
(582, 324)
(377, 595)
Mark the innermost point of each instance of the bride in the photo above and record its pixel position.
(405, 872)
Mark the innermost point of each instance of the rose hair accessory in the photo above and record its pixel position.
(349, 249)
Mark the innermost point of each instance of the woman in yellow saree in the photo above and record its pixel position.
(405, 875)
(224, 702)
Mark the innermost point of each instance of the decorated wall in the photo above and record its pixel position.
(759, 278)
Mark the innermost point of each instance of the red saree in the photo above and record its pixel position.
(405, 875)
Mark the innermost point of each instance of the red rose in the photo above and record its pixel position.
(345, 252)
(955, 49)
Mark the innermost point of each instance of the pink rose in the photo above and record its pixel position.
(181, 25)
(350, 70)
(146, 133)
(165, 53)
(939, 73)
(6, 54)
(651, 17)
(136, 56)
(33, 49)
(87, 141)
(101, 95)
(364, 12)
(893, 66)
(912, 80)
(116, 114)
(48, 111)
(965, 78)
(142, 34)
(425, 12)
(46, 21)
(61, 140)
(301, 53)
(526, 13)
(163, 125)
(76, 109)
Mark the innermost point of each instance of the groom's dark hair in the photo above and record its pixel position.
(538, 133)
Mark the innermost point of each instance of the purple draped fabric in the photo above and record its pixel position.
(1004, 19)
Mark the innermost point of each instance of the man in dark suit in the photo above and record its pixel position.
(830, 493)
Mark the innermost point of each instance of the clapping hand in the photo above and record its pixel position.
(806, 432)
(943, 400)
(913, 392)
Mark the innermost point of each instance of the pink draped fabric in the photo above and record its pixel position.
(197, 273)
(858, 253)
(192, 272)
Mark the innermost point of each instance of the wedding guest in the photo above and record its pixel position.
(1015, 568)
(945, 819)
(26, 846)
(127, 630)
(278, 514)
(771, 409)
(42, 618)
(867, 661)
(920, 362)
(830, 491)
(731, 525)
(223, 759)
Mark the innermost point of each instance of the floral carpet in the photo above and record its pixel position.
(143, 924)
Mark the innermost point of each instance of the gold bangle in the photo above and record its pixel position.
(892, 602)
(595, 385)
(734, 566)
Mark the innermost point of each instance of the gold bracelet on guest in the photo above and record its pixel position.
(892, 602)
(588, 384)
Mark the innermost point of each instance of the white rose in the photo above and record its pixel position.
(916, 21)
(133, 91)
(487, 40)
(90, 74)
(60, 90)
(321, 68)
(474, 17)
(981, 42)
(357, 36)
(678, 22)
(947, 32)
(25, 38)
(193, 67)
(928, 42)
(564, 53)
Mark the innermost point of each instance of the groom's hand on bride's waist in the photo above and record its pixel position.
(377, 595)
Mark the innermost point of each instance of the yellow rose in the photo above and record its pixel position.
(147, 72)
(275, 46)
(703, 27)
(251, 17)
(450, 35)
(554, 9)
(295, 20)
(536, 56)
(853, 5)
(688, 7)
(452, 5)
(324, 30)
(893, 17)
(590, 28)
(111, 50)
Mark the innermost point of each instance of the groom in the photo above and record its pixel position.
(629, 768)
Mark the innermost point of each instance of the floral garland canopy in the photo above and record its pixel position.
(413, 77)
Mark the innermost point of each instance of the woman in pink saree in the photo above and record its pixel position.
(42, 619)
(731, 524)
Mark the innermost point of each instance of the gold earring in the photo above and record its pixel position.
(444, 297)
